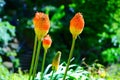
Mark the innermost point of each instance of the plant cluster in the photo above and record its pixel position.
(103, 25)
(42, 24)
(102, 41)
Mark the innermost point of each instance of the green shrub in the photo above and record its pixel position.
(8, 46)
(111, 55)
(7, 32)
(113, 72)
(6, 75)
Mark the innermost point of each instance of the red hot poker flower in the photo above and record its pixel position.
(76, 25)
(42, 24)
(47, 42)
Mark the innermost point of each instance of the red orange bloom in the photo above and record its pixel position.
(42, 24)
(76, 25)
(47, 42)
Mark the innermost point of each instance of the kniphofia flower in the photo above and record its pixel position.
(47, 42)
(76, 25)
(56, 61)
(42, 24)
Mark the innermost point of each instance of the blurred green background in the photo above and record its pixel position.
(99, 41)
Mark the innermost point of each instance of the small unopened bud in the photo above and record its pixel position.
(56, 61)
(47, 42)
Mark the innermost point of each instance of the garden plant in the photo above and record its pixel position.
(59, 40)
(42, 24)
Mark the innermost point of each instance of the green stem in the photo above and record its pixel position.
(43, 63)
(36, 60)
(70, 56)
(33, 57)
(52, 74)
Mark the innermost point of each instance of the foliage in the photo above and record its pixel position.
(6, 75)
(3, 72)
(111, 55)
(8, 31)
(111, 37)
(8, 45)
(75, 73)
(113, 72)
(95, 71)
(7, 34)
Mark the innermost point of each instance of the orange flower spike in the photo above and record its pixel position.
(47, 42)
(76, 25)
(42, 24)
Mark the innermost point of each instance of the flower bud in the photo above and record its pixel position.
(47, 42)
(42, 24)
(76, 25)
(56, 61)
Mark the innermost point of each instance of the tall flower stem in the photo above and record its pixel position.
(70, 56)
(36, 60)
(52, 74)
(33, 57)
(43, 63)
